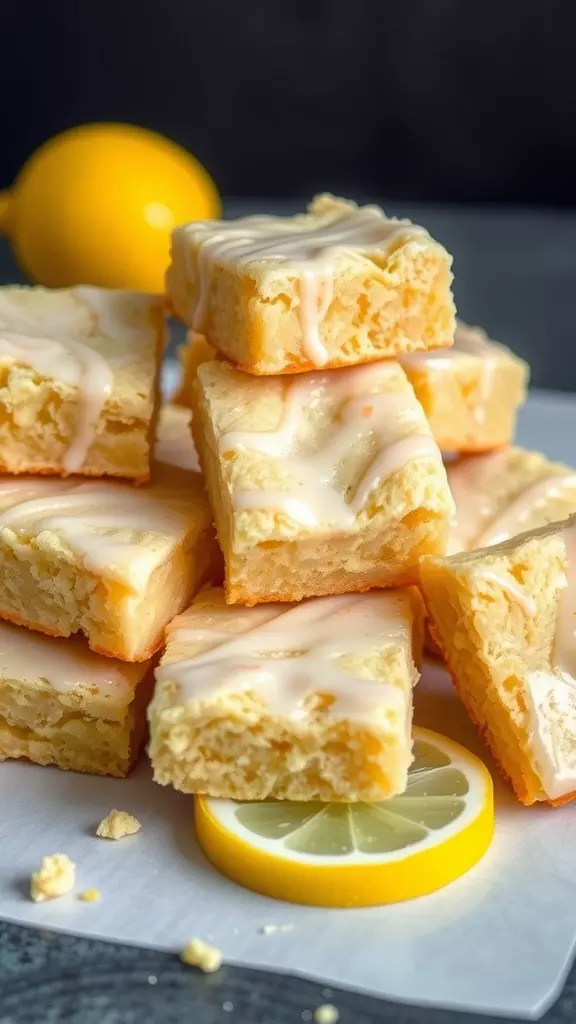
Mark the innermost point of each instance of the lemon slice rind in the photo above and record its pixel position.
(356, 878)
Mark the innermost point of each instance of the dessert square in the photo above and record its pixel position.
(471, 392)
(62, 704)
(78, 380)
(337, 285)
(195, 351)
(505, 619)
(320, 484)
(104, 559)
(298, 702)
(505, 493)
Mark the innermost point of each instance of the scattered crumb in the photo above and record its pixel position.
(326, 993)
(90, 895)
(152, 979)
(326, 1014)
(118, 824)
(200, 954)
(55, 877)
(228, 1006)
(306, 1015)
(271, 929)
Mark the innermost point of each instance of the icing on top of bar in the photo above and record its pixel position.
(119, 533)
(329, 646)
(391, 422)
(551, 696)
(307, 244)
(49, 332)
(64, 664)
(478, 521)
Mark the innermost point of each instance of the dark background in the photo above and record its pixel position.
(457, 113)
(453, 100)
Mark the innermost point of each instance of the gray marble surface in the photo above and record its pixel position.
(516, 275)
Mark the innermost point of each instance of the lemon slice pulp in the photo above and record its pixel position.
(359, 854)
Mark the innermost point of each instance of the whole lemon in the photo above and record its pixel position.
(96, 205)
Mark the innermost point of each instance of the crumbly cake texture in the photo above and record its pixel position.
(195, 351)
(79, 370)
(326, 715)
(338, 285)
(505, 493)
(62, 704)
(197, 953)
(470, 393)
(107, 560)
(117, 825)
(55, 877)
(320, 484)
(497, 615)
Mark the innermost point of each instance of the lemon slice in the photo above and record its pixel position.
(359, 855)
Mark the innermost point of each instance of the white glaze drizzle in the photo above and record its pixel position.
(309, 252)
(297, 654)
(49, 333)
(314, 498)
(527, 505)
(64, 664)
(118, 533)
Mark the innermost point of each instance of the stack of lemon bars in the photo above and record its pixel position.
(355, 496)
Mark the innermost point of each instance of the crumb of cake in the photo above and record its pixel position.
(271, 929)
(306, 1015)
(152, 979)
(326, 1014)
(90, 895)
(197, 953)
(55, 877)
(118, 824)
(228, 1006)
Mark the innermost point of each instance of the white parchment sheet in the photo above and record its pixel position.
(500, 940)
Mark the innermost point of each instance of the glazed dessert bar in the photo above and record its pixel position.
(505, 619)
(113, 562)
(78, 381)
(320, 484)
(505, 493)
(471, 392)
(297, 702)
(195, 351)
(338, 285)
(62, 704)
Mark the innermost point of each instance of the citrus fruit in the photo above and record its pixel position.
(355, 855)
(96, 205)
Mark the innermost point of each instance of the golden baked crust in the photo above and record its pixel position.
(496, 617)
(104, 559)
(54, 344)
(470, 393)
(306, 720)
(62, 704)
(381, 298)
(304, 500)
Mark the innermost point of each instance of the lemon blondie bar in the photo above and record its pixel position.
(337, 285)
(505, 619)
(78, 380)
(195, 351)
(505, 493)
(299, 702)
(62, 704)
(105, 559)
(470, 392)
(323, 483)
